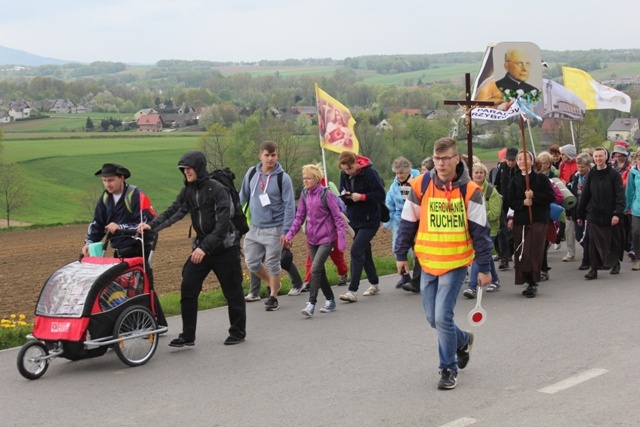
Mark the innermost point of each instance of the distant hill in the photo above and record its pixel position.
(19, 57)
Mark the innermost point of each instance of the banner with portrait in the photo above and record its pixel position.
(335, 124)
(511, 77)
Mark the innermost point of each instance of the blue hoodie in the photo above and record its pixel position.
(281, 211)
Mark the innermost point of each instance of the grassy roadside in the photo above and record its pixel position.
(13, 330)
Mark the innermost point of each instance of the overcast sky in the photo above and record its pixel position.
(145, 31)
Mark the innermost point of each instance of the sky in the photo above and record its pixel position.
(145, 31)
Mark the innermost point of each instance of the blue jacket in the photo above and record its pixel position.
(631, 193)
(281, 209)
(395, 201)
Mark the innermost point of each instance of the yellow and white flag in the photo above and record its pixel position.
(596, 96)
(335, 124)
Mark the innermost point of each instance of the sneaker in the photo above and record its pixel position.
(497, 257)
(544, 276)
(271, 304)
(470, 293)
(251, 297)
(329, 306)
(306, 286)
(295, 291)
(308, 310)
(632, 255)
(231, 340)
(464, 352)
(373, 289)
(405, 278)
(504, 264)
(410, 287)
(493, 287)
(342, 280)
(181, 342)
(531, 291)
(636, 265)
(557, 246)
(568, 258)
(448, 380)
(349, 297)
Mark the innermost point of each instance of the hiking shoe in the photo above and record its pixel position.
(531, 291)
(181, 342)
(448, 379)
(568, 258)
(295, 291)
(405, 278)
(544, 276)
(470, 293)
(251, 297)
(349, 297)
(504, 264)
(592, 274)
(342, 280)
(329, 306)
(308, 310)
(306, 286)
(373, 289)
(272, 304)
(231, 340)
(616, 268)
(493, 287)
(410, 287)
(464, 352)
(636, 265)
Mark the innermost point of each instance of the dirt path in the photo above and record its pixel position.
(29, 257)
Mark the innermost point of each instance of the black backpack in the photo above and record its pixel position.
(239, 220)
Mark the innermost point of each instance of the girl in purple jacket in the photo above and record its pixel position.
(319, 207)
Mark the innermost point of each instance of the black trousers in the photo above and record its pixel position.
(228, 270)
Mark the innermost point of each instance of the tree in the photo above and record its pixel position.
(13, 189)
(215, 145)
(89, 125)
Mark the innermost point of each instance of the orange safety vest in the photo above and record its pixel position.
(443, 242)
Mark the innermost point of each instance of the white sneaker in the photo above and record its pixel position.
(294, 291)
(373, 289)
(251, 297)
(568, 258)
(349, 297)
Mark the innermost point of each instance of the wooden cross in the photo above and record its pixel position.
(469, 105)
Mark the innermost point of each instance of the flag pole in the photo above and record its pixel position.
(573, 137)
(533, 146)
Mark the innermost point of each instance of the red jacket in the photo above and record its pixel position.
(567, 169)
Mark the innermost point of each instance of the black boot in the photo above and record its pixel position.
(592, 274)
(531, 291)
(616, 268)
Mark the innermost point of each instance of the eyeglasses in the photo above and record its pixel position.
(444, 159)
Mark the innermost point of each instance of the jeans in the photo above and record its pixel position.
(362, 258)
(319, 255)
(475, 269)
(439, 296)
(228, 270)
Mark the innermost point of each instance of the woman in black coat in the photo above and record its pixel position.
(602, 207)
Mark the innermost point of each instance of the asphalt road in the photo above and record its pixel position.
(565, 358)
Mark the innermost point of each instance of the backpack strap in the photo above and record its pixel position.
(128, 196)
(323, 197)
(279, 178)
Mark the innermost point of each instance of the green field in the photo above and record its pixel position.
(59, 173)
(57, 123)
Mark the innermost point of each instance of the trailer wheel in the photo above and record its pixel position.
(135, 320)
(31, 364)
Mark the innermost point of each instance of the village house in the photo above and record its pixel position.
(623, 129)
(19, 109)
(63, 106)
(144, 111)
(150, 123)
